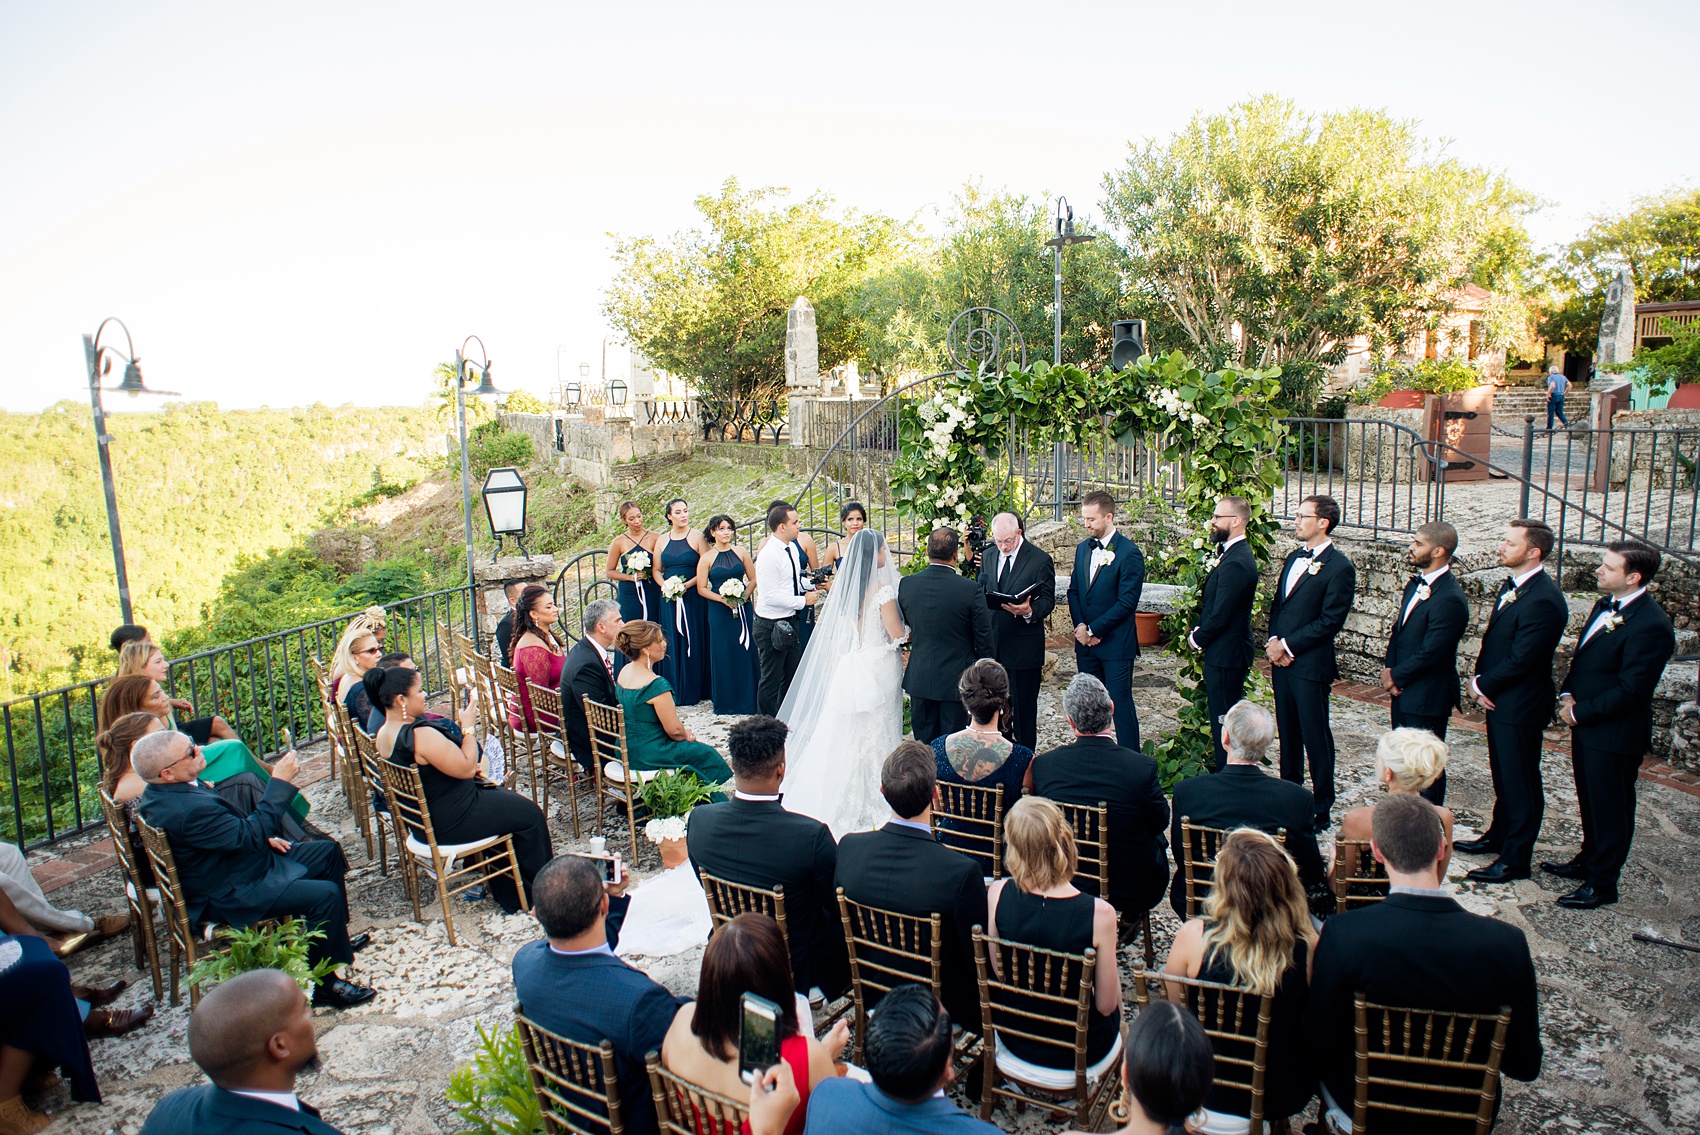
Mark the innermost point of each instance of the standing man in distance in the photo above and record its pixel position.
(1223, 632)
(1103, 594)
(1421, 667)
(505, 625)
(1018, 630)
(1557, 387)
(1313, 596)
(782, 591)
(1513, 682)
(950, 628)
(1608, 704)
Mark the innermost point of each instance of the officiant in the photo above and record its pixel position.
(1021, 589)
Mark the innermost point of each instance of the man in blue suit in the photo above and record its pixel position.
(1103, 594)
(251, 1035)
(574, 986)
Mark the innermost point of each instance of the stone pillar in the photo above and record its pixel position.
(802, 366)
(490, 601)
(1617, 332)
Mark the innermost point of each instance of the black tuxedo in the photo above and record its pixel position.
(504, 632)
(1096, 770)
(1020, 643)
(583, 673)
(1422, 652)
(1612, 678)
(1245, 796)
(760, 844)
(1419, 952)
(949, 630)
(1223, 633)
(905, 870)
(207, 1109)
(1106, 603)
(1307, 621)
(1514, 670)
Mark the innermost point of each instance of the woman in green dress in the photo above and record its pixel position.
(655, 737)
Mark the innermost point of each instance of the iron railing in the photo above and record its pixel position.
(755, 418)
(260, 686)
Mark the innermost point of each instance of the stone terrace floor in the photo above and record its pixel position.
(1620, 1019)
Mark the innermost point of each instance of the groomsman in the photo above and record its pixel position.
(1313, 596)
(1223, 632)
(1513, 682)
(1018, 629)
(1608, 704)
(1421, 671)
(1103, 594)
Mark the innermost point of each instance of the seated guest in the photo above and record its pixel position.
(464, 807)
(252, 1035)
(655, 737)
(233, 866)
(1417, 949)
(981, 755)
(1094, 770)
(589, 670)
(505, 625)
(1037, 905)
(902, 868)
(1242, 795)
(356, 653)
(1168, 1071)
(1256, 933)
(127, 633)
(574, 986)
(42, 1025)
(539, 655)
(374, 619)
(908, 1055)
(375, 720)
(1406, 760)
(143, 657)
(65, 930)
(751, 839)
(747, 955)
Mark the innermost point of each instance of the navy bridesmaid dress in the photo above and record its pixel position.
(731, 645)
(685, 623)
(640, 600)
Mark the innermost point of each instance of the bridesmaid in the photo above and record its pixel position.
(684, 620)
(731, 649)
(852, 518)
(639, 596)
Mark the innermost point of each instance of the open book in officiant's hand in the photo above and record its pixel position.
(996, 599)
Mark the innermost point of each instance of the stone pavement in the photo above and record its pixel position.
(1620, 1019)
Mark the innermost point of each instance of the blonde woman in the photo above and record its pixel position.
(1406, 760)
(1038, 905)
(1255, 933)
(143, 657)
(356, 652)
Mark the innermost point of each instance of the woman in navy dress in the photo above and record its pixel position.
(684, 620)
(635, 586)
(731, 643)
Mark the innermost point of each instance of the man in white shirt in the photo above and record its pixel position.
(783, 589)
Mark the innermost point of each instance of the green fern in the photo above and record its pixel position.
(281, 946)
(493, 1095)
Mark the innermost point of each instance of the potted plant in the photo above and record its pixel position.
(1404, 386)
(277, 945)
(670, 796)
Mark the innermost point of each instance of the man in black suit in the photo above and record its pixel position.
(1417, 949)
(1018, 629)
(1094, 770)
(251, 1035)
(1421, 670)
(236, 869)
(903, 868)
(1103, 594)
(1608, 704)
(572, 984)
(950, 629)
(1223, 631)
(1513, 682)
(1242, 795)
(589, 670)
(751, 839)
(1313, 596)
(505, 625)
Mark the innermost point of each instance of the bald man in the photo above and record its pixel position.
(1018, 629)
(251, 1035)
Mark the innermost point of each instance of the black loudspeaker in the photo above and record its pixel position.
(1127, 343)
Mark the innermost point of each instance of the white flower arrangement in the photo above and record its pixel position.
(637, 561)
(1509, 597)
(733, 591)
(673, 588)
(1102, 558)
(656, 831)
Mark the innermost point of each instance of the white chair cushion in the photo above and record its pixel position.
(1333, 1116)
(421, 850)
(614, 772)
(1221, 1123)
(1053, 1079)
(151, 892)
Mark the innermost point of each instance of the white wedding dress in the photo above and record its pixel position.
(845, 706)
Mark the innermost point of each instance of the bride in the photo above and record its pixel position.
(845, 705)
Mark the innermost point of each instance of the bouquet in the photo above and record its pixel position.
(636, 561)
(673, 588)
(733, 591)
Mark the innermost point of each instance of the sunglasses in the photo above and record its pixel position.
(370, 650)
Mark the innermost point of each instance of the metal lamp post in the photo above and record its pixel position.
(504, 504)
(484, 390)
(1065, 237)
(99, 359)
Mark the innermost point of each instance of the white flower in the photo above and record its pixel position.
(673, 587)
(1315, 566)
(1611, 622)
(1102, 558)
(637, 561)
(733, 590)
(1198, 542)
(1422, 592)
(673, 827)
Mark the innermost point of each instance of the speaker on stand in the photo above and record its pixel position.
(1127, 343)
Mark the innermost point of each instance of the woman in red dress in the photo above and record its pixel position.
(537, 652)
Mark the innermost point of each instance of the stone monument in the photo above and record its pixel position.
(1617, 332)
(802, 349)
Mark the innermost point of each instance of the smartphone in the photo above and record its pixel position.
(288, 742)
(758, 1037)
(608, 865)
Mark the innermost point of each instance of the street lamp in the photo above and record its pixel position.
(1065, 237)
(99, 358)
(504, 503)
(617, 392)
(485, 389)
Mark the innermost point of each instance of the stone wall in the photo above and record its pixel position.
(595, 444)
(1372, 452)
(1663, 460)
(490, 600)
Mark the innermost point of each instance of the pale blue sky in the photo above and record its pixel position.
(318, 201)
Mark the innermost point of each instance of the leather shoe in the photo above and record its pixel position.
(110, 1022)
(1587, 897)
(97, 996)
(1498, 871)
(1479, 846)
(335, 993)
(359, 942)
(1570, 870)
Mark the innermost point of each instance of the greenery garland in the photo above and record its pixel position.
(1222, 428)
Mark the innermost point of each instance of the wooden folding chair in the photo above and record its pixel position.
(684, 1108)
(143, 899)
(615, 782)
(555, 755)
(1045, 998)
(888, 949)
(376, 797)
(970, 819)
(327, 699)
(1197, 854)
(574, 1083)
(1358, 879)
(485, 858)
(1091, 824)
(727, 900)
(524, 746)
(1406, 1055)
(186, 943)
(483, 683)
(1237, 1022)
(342, 729)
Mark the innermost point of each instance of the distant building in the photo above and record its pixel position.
(1461, 333)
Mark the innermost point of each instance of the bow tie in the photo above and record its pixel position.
(1509, 584)
(1611, 604)
(1416, 580)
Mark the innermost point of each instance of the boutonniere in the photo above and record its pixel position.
(1422, 592)
(1103, 557)
(1510, 597)
(1315, 566)
(1211, 561)
(1611, 622)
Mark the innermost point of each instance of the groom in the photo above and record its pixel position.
(950, 628)
(1103, 593)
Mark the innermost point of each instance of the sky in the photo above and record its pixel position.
(318, 202)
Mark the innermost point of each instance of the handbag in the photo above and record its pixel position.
(783, 637)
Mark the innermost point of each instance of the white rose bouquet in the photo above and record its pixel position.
(674, 587)
(733, 591)
(636, 561)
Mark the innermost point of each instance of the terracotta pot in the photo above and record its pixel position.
(1150, 627)
(672, 853)
(1403, 400)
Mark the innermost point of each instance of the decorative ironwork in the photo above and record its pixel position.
(668, 411)
(986, 338)
(757, 418)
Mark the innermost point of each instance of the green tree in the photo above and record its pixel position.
(524, 402)
(447, 402)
